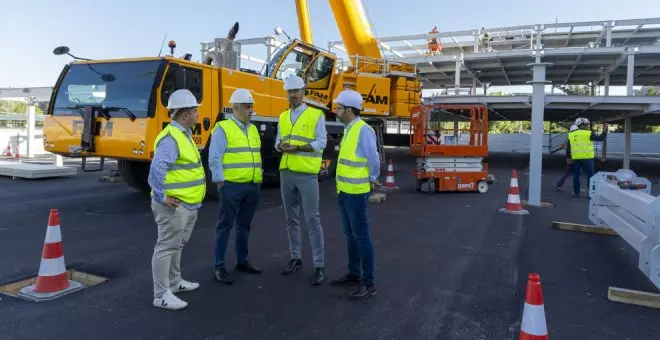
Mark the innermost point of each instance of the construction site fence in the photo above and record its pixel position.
(623, 202)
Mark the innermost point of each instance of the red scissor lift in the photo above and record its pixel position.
(446, 164)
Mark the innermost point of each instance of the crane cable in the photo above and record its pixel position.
(372, 26)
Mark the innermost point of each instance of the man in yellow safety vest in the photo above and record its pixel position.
(358, 168)
(178, 184)
(301, 138)
(582, 151)
(235, 164)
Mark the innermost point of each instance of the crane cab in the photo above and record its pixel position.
(315, 66)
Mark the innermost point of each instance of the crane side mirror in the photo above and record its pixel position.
(61, 50)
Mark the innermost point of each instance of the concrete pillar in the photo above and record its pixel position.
(627, 138)
(31, 113)
(536, 138)
(474, 86)
(608, 39)
(457, 78)
(606, 88)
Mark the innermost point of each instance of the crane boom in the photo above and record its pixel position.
(354, 29)
(303, 21)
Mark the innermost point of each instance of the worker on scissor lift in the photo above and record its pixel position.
(434, 45)
(582, 151)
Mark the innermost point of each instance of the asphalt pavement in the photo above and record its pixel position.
(448, 266)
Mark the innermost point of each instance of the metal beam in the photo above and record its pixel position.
(611, 68)
(504, 71)
(639, 27)
(568, 38)
(41, 93)
(577, 61)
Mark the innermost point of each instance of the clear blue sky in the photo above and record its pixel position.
(31, 29)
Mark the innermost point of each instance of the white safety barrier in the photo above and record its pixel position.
(623, 202)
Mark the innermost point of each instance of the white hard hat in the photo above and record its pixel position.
(350, 98)
(241, 96)
(181, 99)
(581, 121)
(573, 128)
(293, 82)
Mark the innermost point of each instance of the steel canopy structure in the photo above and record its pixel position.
(564, 109)
(38, 93)
(593, 53)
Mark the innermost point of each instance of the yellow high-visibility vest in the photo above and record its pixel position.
(241, 161)
(300, 133)
(352, 171)
(185, 179)
(582, 147)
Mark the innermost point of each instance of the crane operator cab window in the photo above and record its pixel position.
(180, 77)
(320, 72)
(125, 88)
(295, 63)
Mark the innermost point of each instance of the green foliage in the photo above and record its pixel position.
(12, 106)
(578, 90)
(15, 106)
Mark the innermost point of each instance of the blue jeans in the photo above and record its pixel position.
(354, 221)
(567, 172)
(238, 203)
(578, 164)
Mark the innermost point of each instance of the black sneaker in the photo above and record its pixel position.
(363, 292)
(223, 276)
(293, 266)
(246, 267)
(347, 279)
(319, 277)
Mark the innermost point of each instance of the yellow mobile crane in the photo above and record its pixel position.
(116, 108)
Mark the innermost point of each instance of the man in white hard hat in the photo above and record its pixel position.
(569, 169)
(358, 168)
(178, 184)
(582, 151)
(301, 138)
(235, 164)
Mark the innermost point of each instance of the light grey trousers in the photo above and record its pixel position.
(174, 229)
(302, 188)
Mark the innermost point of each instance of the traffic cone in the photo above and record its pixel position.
(533, 326)
(8, 154)
(389, 180)
(513, 205)
(17, 155)
(52, 280)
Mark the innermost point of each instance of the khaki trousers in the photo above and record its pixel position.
(174, 228)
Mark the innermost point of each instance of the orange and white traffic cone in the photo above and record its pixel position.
(52, 280)
(513, 205)
(17, 154)
(533, 326)
(8, 154)
(389, 180)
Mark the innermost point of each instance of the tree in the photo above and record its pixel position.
(13, 106)
(577, 90)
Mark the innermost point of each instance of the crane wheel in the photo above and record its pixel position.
(135, 174)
